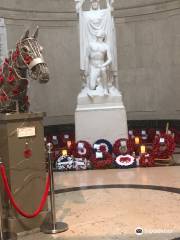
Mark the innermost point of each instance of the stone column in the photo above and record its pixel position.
(3, 41)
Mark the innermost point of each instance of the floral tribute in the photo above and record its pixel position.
(125, 161)
(177, 137)
(101, 159)
(103, 142)
(151, 134)
(146, 160)
(80, 149)
(144, 136)
(64, 163)
(163, 146)
(65, 137)
(123, 146)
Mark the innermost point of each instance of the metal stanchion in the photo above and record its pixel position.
(52, 227)
(5, 235)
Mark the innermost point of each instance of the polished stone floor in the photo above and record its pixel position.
(111, 204)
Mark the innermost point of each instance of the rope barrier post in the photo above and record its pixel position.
(4, 235)
(52, 227)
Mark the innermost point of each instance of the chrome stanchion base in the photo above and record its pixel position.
(50, 228)
(9, 236)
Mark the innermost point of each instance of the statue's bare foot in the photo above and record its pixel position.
(90, 94)
(106, 93)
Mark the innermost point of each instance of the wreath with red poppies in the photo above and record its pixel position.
(63, 138)
(163, 146)
(177, 137)
(103, 144)
(123, 146)
(144, 136)
(101, 160)
(146, 160)
(80, 149)
(151, 134)
(125, 161)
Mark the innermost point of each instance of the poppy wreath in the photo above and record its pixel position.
(101, 163)
(64, 163)
(131, 136)
(146, 160)
(80, 149)
(103, 144)
(151, 134)
(163, 149)
(144, 136)
(123, 146)
(137, 132)
(130, 133)
(63, 138)
(125, 161)
(177, 137)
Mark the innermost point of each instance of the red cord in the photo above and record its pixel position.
(8, 191)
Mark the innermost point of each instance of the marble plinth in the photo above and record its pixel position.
(100, 117)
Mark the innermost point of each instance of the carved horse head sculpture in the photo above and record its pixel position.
(26, 60)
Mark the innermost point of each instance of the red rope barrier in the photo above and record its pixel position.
(8, 191)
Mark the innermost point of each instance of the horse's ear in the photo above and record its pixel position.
(26, 35)
(36, 33)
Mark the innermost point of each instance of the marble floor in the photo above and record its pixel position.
(112, 204)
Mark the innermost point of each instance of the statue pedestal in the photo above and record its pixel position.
(26, 176)
(100, 117)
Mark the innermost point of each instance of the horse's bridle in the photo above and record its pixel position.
(34, 61)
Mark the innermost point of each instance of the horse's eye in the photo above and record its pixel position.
(25, 49)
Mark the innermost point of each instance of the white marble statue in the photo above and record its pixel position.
(98, 51)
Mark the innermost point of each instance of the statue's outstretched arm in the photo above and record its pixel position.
(79, 4)
(110, 4)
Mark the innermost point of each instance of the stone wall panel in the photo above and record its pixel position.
(148, 41)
